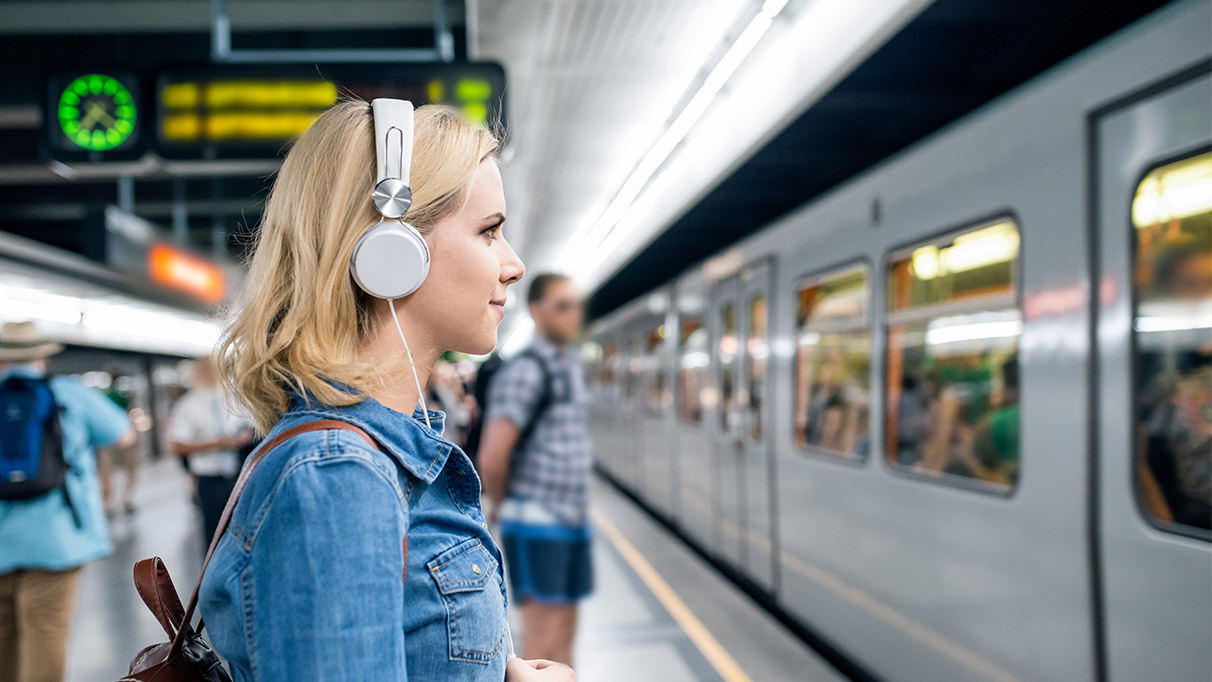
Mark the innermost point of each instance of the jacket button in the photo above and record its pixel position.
(475, 568)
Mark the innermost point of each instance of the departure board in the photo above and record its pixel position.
(228, 111)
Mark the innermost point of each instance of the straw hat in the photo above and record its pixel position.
(21, 342)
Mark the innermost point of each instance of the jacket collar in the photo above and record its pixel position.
(421, 450)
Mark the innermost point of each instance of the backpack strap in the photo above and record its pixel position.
(151, 576)
(546, 399)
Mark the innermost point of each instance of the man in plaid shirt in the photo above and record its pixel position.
(535, 463)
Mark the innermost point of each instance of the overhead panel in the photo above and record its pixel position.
(240, 111)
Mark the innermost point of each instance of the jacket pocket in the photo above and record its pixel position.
(475, 616)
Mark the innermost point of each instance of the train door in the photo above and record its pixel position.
(654, 460)
(602, 375)
(729, 483)
(756, 444)
(692, 426)
(631, 442)
(1153, 170)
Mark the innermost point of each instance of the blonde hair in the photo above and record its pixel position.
(301, 318)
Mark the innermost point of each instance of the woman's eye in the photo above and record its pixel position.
(492, 232)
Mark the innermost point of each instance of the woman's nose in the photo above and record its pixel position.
(512, 267)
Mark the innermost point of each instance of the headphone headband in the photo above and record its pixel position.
(393, 151)
(392, 259)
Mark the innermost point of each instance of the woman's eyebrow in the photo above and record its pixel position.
(496, 217)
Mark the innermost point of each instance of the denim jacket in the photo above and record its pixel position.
(309, 581)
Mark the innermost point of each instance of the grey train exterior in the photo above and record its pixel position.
(1049, 564)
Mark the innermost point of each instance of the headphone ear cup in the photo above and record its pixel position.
(391, 260)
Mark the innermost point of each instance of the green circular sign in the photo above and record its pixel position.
(96, 112)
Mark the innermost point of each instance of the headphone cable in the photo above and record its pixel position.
(391, 303)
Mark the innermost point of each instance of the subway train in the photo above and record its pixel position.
(965, 437)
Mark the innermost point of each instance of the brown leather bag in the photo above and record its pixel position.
(187, 657)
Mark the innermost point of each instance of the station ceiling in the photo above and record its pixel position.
(583, 76)
(955, 56)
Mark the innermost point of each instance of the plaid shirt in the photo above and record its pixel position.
(553, 467)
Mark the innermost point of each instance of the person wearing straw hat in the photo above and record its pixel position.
(52, 520)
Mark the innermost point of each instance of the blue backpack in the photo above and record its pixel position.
(31, 441)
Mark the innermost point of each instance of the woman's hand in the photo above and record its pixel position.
(537, 670)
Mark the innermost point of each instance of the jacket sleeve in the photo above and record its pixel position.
(324, 583)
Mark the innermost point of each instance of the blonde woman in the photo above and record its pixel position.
(345, 559)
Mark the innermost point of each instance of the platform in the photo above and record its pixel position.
(659, 612)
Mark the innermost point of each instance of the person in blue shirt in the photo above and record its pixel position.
(44, 541)
(346, 560)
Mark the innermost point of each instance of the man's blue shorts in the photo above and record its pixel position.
(548, 563)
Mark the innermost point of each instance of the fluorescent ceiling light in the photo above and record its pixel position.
(1171, 324)
(111, 321)
(974, 327)
(973, 332)
(1176, 192)
(1174, 316)
(798, 60)
(582, 248)
(974, 250)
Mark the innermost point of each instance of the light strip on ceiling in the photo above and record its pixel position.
(580, 248)
(110, 321)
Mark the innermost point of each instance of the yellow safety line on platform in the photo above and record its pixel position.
(698, 633)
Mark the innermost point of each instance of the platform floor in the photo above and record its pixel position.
(659, 614)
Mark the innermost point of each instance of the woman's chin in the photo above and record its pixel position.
(483, 344)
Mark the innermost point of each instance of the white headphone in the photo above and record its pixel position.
(392, 259)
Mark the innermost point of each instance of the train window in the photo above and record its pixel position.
(727, 352)
(757, 351)
(656, 389)
(693, 359)
(1172, 217)
(952, 358)
(833, 364)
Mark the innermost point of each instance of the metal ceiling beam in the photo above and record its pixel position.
(40, 17)
(20, 117)
(442, 50)
(148, 167)
(62, 212)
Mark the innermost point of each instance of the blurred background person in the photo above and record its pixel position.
(52, 520)
(210, 439)
(444, 389)
(1175, 384)
(119, 457)
(535, 459)
(995, 449)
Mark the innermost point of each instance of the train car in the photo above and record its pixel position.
(963, 437)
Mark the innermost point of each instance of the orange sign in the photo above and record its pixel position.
(171, 267)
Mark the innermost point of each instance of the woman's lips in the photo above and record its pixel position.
(498, 307)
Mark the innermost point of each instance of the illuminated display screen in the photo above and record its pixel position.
(173, 268)
(251, 111)
(93, 116)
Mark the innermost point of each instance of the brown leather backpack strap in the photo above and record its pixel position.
(156, 589)
(254, 459)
